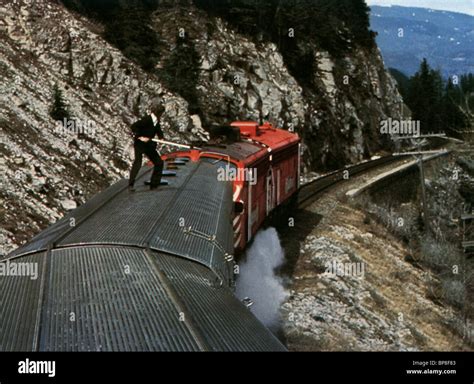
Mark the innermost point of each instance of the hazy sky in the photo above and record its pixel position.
(463, 6)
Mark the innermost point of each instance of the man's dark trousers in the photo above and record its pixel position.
(149, 149)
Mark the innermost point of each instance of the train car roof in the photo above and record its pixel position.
(123, 266)
(266, 134)
(241, 150)
(84, 300)
(256, 142)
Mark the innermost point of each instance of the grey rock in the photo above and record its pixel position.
(68, 204)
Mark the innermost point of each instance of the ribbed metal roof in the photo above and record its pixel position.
(72, 221)
(106, 298)
(109, 299)
(156, 219)
(143, 271)
(20, 304)
(225, 323)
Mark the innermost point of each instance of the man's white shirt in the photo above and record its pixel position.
(154, 118)
(155, 121)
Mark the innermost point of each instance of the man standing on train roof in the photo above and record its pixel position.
(143, 132)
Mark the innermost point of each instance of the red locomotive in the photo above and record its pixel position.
(264, 164)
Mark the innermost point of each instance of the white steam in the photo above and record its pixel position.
(257, 279)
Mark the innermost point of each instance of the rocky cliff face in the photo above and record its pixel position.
(237, 79)
(207, 72)
(45, 169)
(242, 77)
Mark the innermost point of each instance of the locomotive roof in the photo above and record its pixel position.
(254, 139)
(266, 134)
(240, 150)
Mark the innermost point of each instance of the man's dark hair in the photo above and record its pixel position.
(157, 107)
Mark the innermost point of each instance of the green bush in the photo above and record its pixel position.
(59, 110)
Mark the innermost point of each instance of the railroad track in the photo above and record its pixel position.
(310, 191)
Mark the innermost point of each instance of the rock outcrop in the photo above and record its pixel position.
(45, 168)
(240, 77)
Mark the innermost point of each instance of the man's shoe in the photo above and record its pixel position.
(131, 188)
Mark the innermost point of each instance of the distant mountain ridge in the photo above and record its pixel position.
(445, 38)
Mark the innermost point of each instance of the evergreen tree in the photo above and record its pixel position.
(402, 80)
(356, 15)
(453, 117)
(129, 30)
(467, 92)
(59, 110)
(439, 107)
(425, 98)
(329, 23)
(181, 71)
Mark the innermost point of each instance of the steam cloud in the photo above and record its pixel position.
(258, 281)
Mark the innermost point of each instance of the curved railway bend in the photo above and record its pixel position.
(390, 306)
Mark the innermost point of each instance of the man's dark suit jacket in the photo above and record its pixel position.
(144, 127)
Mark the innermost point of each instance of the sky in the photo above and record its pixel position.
(463, 6)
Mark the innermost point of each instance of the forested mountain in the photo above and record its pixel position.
(406, 35)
